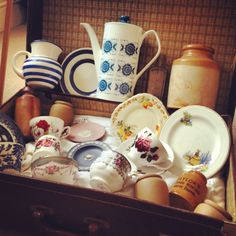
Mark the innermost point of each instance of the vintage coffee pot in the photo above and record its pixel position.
(117, 61)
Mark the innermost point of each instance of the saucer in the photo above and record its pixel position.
(86, 153)
(79, 74)
(86, 131)
(139, 111)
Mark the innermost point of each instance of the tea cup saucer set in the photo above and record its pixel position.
(164, 159)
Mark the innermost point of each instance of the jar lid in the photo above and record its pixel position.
(63, 102)
(149, 176)
(198, 47)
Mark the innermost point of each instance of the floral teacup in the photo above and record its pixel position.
(146, 150)
(45, 146)
(55, 168)
(43, 125)
(109, 171)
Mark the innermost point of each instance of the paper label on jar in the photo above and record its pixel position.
(193, 85)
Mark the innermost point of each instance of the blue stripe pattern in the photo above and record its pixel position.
(41, 80)
(25, 67)
(33, 74)
(31, 59)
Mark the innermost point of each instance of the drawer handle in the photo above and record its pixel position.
(40, 214)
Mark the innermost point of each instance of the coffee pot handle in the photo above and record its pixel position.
(15, 67)
(158, 43)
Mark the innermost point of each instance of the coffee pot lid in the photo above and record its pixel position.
(124, 19)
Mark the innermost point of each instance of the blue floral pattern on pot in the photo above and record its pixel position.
(124, 88)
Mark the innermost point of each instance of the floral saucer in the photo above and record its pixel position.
(137, 112)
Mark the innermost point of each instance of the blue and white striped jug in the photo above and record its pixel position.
(40, 69)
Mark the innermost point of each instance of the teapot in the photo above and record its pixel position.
(117, 61)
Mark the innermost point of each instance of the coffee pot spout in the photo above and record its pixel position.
(95, 44)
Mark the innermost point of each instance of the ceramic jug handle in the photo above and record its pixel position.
(15, 67)
(158, 43)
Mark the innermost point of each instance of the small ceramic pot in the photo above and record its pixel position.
(211, 209)
(189, 190)
(152, 188)
(63, 110)
(56, 168)
(109, 171)
(47, 145)
(44, 125)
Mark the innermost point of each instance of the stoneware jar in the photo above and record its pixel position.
(152, 188)
(194, 78)
(189, 190)
(27, 107)
(63, 110)
(211, 209)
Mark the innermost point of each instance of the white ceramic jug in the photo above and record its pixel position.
(117, 61)
(40, 69)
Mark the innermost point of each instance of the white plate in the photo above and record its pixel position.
(140, 111)
(79, 74)
(199, 138)
(124, 149)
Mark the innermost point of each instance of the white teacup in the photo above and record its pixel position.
(109, 171)
(45, 146)
(44, 125)
(146, 150)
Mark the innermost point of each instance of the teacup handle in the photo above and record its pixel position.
(65, 132)
(16, 69)
(158, 43)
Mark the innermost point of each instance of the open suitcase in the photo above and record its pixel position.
(34, 207)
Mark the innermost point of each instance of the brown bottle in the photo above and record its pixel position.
(27, 106)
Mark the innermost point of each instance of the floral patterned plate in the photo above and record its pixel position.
(139, 111)
(9, 131)
(199, 138)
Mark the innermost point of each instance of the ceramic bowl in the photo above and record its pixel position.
(10, 156)
(56, 168)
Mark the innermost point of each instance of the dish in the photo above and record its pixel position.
(124, 149)
(199, 138)
(137, 112)
(9, 131)
(79, 74)
(86, 131)
(86, 153)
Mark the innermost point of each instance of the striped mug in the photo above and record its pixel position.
(40, 69)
